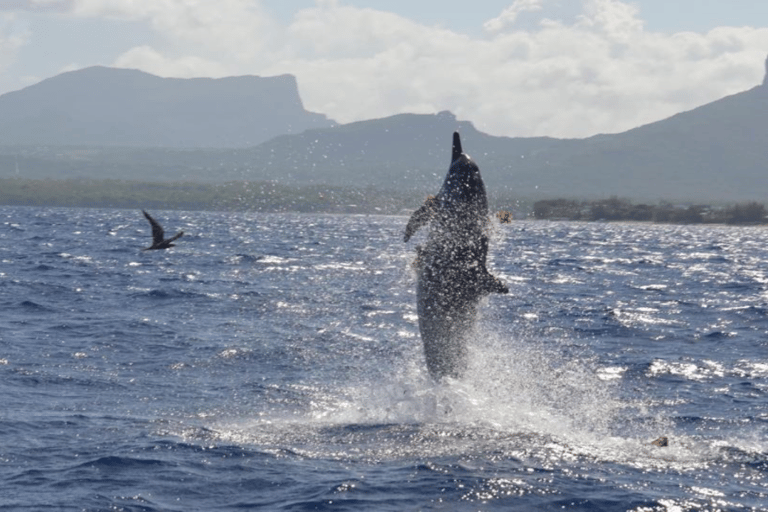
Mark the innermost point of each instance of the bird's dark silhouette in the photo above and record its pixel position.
(158, 235)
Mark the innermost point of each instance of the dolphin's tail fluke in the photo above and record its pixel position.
(456, 147)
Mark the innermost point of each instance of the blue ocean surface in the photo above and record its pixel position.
(273, 362)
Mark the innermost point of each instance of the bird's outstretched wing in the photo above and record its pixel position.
(176, 236)
(157, 229)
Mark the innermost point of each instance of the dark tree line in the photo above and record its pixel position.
(268, 196)
(615, 209)
(273, 196)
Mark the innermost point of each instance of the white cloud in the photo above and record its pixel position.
(150, 60)
(33, 5)
(509, 15)
(616, 19)
(600, 72)
(225, 34)
(12, 38)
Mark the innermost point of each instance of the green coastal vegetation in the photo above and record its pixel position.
(263, 196)
(267, 196)
(615, 209)
(271, 196)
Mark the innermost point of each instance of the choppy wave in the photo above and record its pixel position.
(273, 362)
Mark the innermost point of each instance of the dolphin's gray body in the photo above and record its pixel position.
(451, 266)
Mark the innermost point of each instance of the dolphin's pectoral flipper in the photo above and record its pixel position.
(481, 249)
(420, 217)
(487, 281)
(490, 283)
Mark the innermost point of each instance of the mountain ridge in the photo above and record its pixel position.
(714, 152)
(101, 106)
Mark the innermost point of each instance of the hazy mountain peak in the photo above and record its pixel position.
(101, 106)
(715, 152)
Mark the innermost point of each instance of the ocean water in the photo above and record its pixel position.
(273, 362)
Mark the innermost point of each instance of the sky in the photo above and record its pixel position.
(520, 68)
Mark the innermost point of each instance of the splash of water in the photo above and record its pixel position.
(521, 398)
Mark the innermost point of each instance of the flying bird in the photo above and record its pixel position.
(158, 235)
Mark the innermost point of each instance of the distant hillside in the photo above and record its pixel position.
(101, 106)
(715, 153)
(410, 151)
(405, 149)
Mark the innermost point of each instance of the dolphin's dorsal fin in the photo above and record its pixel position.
(456, 147)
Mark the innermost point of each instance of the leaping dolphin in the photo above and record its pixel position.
(158, 235)
(451, 266)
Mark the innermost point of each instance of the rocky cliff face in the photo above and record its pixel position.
(101, 106)
(765, 78)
